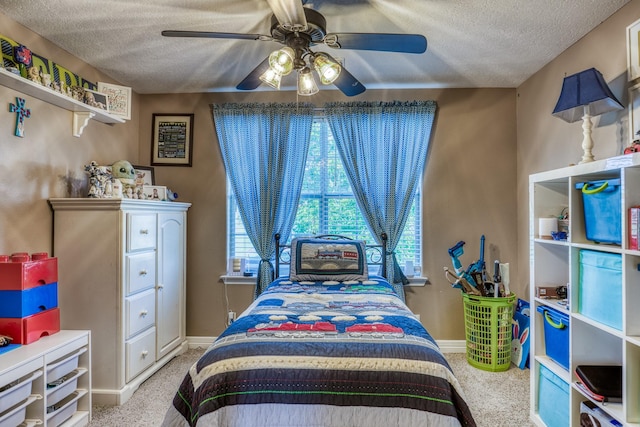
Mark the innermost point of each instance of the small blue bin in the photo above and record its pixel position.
(600, 287)
(553, 399)
(602, 210)
(556, 335)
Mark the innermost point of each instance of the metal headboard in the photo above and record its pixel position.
(375, 253)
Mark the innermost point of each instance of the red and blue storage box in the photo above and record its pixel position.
(602, 210)
(553, 399)
(556, 335)
(28, 297)
(600, 287)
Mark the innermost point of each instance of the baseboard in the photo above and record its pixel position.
(200, 342)
(447, 346)
(452, 346)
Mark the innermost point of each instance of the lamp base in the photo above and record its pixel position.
(587, 141)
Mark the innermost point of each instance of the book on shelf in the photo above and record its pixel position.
(602, 383)
(634, 228)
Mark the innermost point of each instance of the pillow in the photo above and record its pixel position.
(324, 259)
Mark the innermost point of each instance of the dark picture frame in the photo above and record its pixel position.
(172, 139)
(145, 174)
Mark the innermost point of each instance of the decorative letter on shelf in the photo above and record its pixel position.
(21, 113)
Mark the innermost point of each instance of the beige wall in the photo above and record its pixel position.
(469, 185)
(546, 142)
(469, 189)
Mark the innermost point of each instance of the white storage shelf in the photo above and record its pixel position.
(555, 263)
(47, 382)
(81, 111)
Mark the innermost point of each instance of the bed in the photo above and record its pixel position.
(329, 345)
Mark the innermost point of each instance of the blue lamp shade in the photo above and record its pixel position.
(585, 89)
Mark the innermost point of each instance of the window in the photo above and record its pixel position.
(327, 205)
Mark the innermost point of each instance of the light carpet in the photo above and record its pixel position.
(496, 399)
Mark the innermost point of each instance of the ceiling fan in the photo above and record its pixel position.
(299, 28)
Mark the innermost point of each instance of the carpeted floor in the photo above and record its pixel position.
(496, 399)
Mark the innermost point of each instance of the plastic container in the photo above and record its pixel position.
(61, 412)
(553, 399)
(63, 387)
(487, 324)
(600, 287)
(17, 392)
(602, 210)
(556, 335)
(59, 369)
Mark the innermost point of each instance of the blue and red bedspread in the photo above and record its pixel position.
(329, 354)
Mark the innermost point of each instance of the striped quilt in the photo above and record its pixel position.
(325, 354)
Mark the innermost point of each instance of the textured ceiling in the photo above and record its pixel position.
(471, 43)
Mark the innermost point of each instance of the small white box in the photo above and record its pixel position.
(155, 192)
(236, 266)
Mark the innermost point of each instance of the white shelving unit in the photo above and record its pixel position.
(82, 112)
(30, 393)
(555, 263)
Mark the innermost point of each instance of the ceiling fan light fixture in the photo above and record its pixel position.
(272, 78)
(281, 60)
(327, 68)
(306, 83)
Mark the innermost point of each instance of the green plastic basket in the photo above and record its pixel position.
(487, 325)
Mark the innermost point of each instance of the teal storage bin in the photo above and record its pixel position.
(556, 335)
(602, 210)
(600, 287)
(553, 399)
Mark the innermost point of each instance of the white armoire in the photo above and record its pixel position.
(122, 274)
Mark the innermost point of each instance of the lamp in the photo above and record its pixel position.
(281, 61)
(584, 95)
(327, 68)
(272, 78)
(306, 83)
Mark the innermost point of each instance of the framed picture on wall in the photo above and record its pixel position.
(171, 139)
(633, 49)
(634, 112)
(119, 99)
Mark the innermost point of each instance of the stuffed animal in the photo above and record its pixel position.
(5, 340)
(100, 181)
(123, 171)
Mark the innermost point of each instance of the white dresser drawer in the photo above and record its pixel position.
(141, 272)
(140, 353)
(141, 230)
(140, 312)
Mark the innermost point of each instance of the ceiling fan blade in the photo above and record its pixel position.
(252, 80)
(289, 13)
(214, 35)
(348, 84)
(405, 43)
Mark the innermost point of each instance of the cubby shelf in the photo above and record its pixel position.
(82, 112)
(556, 263)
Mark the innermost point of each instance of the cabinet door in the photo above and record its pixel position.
(171, 276)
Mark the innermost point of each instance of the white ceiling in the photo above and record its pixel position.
(471, 43)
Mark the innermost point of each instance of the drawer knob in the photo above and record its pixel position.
(143, 313)
(144, 231)
(143, 272)
(160, 286)
(144, 354)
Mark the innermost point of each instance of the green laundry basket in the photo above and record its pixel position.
(487, 325)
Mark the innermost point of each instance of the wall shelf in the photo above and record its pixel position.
(82, 112)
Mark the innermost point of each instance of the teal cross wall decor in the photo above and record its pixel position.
(21, 113)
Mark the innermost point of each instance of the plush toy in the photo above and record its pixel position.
(100, 181)
(123, 171)
(5, 340)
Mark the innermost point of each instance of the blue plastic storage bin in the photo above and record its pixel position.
(602, 210)
(553, 399)
(600, 287)
(556, 335)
